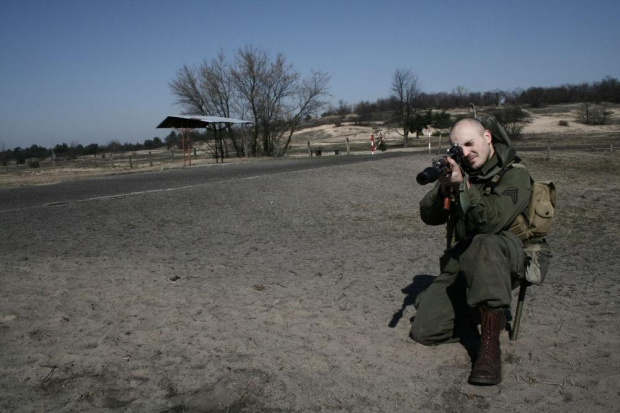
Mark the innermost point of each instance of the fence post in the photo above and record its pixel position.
(309, 150)
(348, 147)
(429, 141)
(150, 159)
(194, 153)
(130, 163)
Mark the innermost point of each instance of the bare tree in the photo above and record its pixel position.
(207, 90)
(278, 87)
(364, 111)
(513, 118)
(186, 88)
(251, 66)
(461, 96)
(343, 108)
(275, 97)
(592, 114)
(308, 100)
(4, 156)
(218, 86)
(257, 87)
(407, 89)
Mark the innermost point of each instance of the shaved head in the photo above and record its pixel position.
(475, 140)
(472, 124)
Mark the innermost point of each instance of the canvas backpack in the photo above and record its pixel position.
(532, 225)
(537, 219)
(535, 222)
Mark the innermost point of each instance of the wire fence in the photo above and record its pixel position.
(125, 160)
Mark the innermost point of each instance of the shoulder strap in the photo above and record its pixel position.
(494, 181)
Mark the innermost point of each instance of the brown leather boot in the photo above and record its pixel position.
(488, 367)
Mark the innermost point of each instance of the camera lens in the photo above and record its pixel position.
(427, 176)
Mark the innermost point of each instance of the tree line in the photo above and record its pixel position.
(409, 110)
(74, 150)
(266, 89)
(606, 90)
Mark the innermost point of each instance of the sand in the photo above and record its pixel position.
(292, 293)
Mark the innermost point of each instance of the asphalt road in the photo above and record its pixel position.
(139, 183)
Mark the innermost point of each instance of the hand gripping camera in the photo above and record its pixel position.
(440, 166)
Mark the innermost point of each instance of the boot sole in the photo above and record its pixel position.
(484, 382)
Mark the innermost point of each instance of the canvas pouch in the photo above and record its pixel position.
(537, 220)
(537, 259)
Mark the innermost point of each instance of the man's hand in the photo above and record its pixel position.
(454, 178)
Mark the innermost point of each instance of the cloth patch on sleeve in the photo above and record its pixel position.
(513, 194)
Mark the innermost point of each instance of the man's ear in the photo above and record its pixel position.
(488, 136)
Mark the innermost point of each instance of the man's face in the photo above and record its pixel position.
(477, 146)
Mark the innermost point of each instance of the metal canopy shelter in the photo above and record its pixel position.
(186, 123)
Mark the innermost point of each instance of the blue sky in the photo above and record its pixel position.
(90, 71)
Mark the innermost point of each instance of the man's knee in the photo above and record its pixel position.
(504, 244)
(416, 335)
(428, 335)
(486, 242)
(420, 337)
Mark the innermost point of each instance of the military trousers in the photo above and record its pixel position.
(476, 271)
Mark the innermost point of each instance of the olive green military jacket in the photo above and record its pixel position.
(484, 207)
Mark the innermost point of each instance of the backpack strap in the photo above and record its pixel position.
(521, 224)
(494, 181)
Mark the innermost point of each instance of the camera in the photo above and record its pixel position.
(440, 166)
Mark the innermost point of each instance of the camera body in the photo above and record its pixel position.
(441, 166)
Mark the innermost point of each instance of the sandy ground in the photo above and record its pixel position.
(542, 121)
(293, 292)
(550, 122)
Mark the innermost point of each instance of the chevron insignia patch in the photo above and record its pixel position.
(513, 194)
